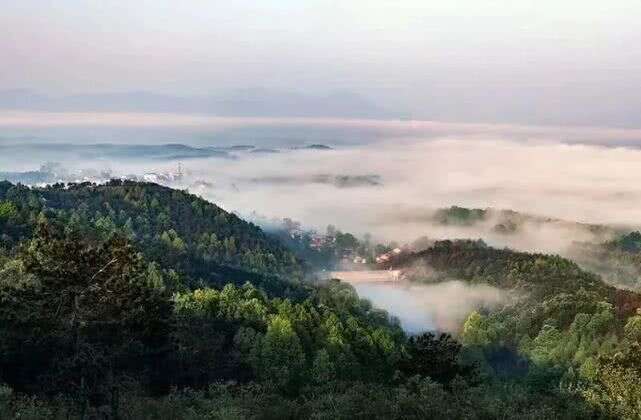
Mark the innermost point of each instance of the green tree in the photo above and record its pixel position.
(476, 330)
(7, 210)
(282, 358)
(323, 369)
(89, 315)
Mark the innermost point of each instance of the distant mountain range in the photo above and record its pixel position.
(246, 102)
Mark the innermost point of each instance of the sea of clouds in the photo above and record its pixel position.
(589, 175)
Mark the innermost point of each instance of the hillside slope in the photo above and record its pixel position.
(197, 240)
(537, 276)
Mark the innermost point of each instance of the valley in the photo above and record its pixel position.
(320, 210)
(321, 308)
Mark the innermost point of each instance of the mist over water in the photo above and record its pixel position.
(439, 307)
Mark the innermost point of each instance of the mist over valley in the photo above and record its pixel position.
(320, 210)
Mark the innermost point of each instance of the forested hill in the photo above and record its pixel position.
(195, 241)
(505, 268)
(116, 303)
(569, 328)
(510, 221)
(539, 276)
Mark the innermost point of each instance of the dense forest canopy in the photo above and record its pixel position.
(193, 240)
(131, 300)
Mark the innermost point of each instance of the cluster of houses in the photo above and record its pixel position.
(359, 260)
(318, 241)
(383, 258)
(348, 256)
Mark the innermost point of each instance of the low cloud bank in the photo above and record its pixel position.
(379, 128)
(433, 307)
(391, 182)
(575, 183)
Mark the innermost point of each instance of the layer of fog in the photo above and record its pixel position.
(431, 307)
(128, 127)
(530, 170)
(576, 183)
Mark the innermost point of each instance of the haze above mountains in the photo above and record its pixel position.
(239, 103)
(465, 107)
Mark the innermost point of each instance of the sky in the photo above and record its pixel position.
(570, 62)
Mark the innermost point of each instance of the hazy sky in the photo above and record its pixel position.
(543, 61)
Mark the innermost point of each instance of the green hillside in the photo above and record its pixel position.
(136, 301)
(197, 241)
(562, 327)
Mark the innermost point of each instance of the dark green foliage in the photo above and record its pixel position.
(418, 398)
(346, 240)
(247, 335)
(197, 240)
(82, 315)
(74, 316)
(630, 242)
(7, 211)
(435, 357)
(135, 301)
(564, 328)
(538, 274)
(459, 216)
